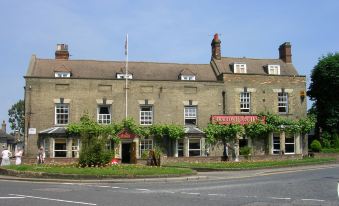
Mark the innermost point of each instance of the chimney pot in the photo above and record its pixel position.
(285, 52)
(216, 51)
(62, 51)
(3, 126)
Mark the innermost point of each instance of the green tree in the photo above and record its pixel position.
(17, 116)
(323, 90)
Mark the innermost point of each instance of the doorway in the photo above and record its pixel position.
(126, 153)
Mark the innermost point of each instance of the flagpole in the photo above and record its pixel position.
(126, 76)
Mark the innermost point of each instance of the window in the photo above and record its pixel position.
(75, 147)
(190, 115)
(187, 77)
(62, 74)
(276, 144)
(180, 147)
(245, 102)
(104, 114)
(110, 145)
(145, 146)
(282, 102)
(146, 115)
(289, 145)
(240, 68)
(123, 76)
(60, 147)
(61, 114)
(194, 147)
(273, 69)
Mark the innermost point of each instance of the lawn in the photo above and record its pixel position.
(114, 171)
(251, 164)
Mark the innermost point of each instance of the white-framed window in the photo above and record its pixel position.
(273, 69)
(104, 114)
(190, 115)
(145, 145)
(146, 115)
(240, 68)
(276, 144)
(61, 114)
(123, 76)
(110, 145)
(60, 149)
(180, 147)
(245, 102)
(62, 74)
(282, 102)
(187, 77)
(289, 144)
(75, 148)
(194, 148)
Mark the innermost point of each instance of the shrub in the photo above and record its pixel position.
(246, 151)
(315, 146)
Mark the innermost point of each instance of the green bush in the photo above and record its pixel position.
(246, 151)
(94, 153)
(145, 154)
(326, 140)
(315, 146)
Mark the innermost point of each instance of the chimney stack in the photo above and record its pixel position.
(62, 52)
(285, 52)
(216, 53)
(3, 126)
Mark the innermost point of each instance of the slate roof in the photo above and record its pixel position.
(9, 138)
(54, 130)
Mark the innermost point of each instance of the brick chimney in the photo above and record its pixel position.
(62, 52)
(285, 52)
(216, 53)
(3, 126)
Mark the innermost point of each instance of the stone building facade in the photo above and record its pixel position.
(59, 91)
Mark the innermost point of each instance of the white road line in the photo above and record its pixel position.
(213, 194)
(103, 186)
(12, 197)
(190, 193)
(51, 199)
(313, 200)
(280, 198)
(338, 190)
(116, 187)
(143, 189)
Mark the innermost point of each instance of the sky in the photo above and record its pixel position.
(176, 31)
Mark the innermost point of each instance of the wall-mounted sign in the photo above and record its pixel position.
(32, 131)
(235, 119)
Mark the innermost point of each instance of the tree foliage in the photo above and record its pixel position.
(323, 90)
(17, 116)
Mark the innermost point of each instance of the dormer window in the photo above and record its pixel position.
(62, 74)
(239, 68)
(123, 76)
(187, 77)
(273, 69)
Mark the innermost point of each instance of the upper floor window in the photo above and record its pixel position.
(245, 101)
(273, 69)
(190, 115)
(104, 114)
(61, 114)
(62, 74)
(282, 102)
(123, 76)
(240, 68)
(146, 115)
(187, 77)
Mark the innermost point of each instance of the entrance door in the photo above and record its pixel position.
(126, 153)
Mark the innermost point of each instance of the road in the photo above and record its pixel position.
(278, 187)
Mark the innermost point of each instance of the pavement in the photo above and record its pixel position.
(200, 176)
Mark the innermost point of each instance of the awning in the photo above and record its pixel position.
(193, 130)
(53, 131)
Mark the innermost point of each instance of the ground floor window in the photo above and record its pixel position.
(75, 148)
(180, 147)
(194, 147)
(289, 145)
(145, 146)
(60, 147)
(276, 144)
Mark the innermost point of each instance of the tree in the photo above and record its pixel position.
(17, 116)
(323, 90)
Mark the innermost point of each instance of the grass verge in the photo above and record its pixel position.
(330, 150)
(114, 171)
(247, 165)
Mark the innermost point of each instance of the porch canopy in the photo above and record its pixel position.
(53, 131)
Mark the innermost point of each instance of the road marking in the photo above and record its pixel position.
(12, 197)
(103, 186)
(280, 198)
(51, 199)
(313, 200)
(338, 190)
(143, 189)
(212, 194)
(115, 187)
(190, 193)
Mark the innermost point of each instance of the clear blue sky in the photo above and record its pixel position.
(161, 31)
